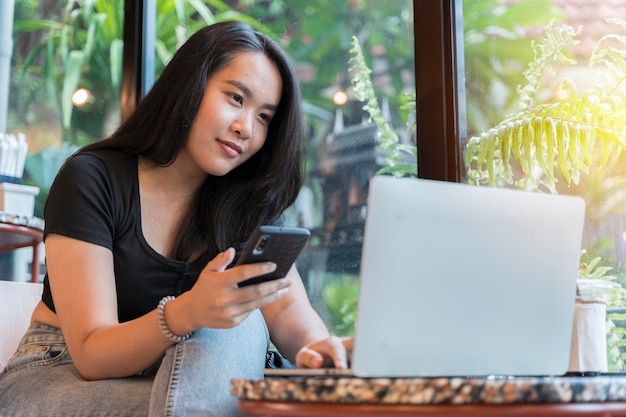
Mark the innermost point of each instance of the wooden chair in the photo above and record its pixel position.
(17, 301)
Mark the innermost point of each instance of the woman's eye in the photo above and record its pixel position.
(237, 98)
(265, 117)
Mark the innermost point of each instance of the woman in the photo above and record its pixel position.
(141, 309)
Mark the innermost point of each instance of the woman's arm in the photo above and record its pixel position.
(83, 287)
(299, 332)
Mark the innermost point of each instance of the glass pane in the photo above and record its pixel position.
(343, 149)
(545, 113)
(64, 80)
(63, 71)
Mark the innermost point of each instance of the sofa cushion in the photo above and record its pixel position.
(17, 301)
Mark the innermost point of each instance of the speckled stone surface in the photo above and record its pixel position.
(431, 391)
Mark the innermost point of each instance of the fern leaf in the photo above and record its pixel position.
(517, 142)
(490, 162)
(527, 144)
(574, 152)
(535, 132)
(582, 106)
(606, 137)
(486, 142)
(585, 150)
(470, 151)
(505, 156)
(561, 152)
(568, 136)
(550, 148)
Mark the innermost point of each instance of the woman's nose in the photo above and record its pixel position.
(242, 126)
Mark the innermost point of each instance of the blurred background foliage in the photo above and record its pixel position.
(54, 54)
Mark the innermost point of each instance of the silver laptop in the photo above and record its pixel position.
(458, 280)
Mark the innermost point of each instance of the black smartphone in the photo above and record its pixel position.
(281, 245)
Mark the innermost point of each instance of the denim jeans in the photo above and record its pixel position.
(193, 378)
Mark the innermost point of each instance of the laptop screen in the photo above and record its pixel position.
(458, 280)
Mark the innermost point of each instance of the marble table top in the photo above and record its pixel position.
(432, 391)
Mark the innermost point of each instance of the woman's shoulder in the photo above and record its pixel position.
(105, 156)
(97, 169)
(112, 162)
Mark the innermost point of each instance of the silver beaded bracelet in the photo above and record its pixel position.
(163, 325)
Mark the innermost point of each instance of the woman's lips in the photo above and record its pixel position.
(230, 147)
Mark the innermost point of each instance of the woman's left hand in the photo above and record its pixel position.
(330, 352)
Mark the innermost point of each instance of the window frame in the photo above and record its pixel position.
(138, 64)
(440, 93)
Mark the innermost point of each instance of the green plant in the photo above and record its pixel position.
(564, 138)
(178, 19)
(592, 268)
(395, 164)
(84, 48)
(340, 297)
(341, 294)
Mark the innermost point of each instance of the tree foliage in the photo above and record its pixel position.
(83, 47)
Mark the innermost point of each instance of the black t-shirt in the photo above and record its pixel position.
(95, 198)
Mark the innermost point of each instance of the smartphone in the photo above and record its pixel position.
(281, 245)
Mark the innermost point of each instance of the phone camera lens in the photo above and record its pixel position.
(262, 243)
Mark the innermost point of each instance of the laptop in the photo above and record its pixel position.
(460, 280)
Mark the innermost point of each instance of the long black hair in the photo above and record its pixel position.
(227, 208)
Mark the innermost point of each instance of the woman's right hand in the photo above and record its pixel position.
(215, 301)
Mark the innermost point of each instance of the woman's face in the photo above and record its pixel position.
(234, 115)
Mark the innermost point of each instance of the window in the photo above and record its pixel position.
(549, 84)
(62, 74)
(65, 80)
(470, 55)
(342, 152)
